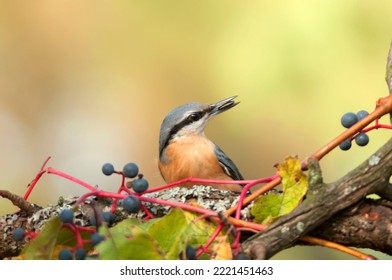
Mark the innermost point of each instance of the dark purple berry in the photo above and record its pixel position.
(67, 216)
(131, 204)
(140, 185)
(349, 119)
(361, 114)
(190, 253)
(18, 234)
(108, 217)
(96, 238)
(80, 254)
(345, 145)
(130, 170)
(65, 254)
(108, 169)
(362, 139)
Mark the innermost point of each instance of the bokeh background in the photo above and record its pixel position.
(89, 82)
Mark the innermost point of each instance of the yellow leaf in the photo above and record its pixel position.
(268, 208)
(221, 249)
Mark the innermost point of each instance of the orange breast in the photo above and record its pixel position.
(194, 157)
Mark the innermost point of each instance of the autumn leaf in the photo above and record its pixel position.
(270, 207)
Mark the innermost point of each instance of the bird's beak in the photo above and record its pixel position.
(221, 106)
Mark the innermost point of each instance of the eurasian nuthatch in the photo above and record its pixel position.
(185, 151)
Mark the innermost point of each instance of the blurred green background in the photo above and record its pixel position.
(89, 82)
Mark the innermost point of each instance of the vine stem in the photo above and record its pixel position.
(336, 246)
(204, 248)
(245, 191)
(75, 231)
(36, 179)
(51, 170)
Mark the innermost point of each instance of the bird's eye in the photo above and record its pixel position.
(194, 117)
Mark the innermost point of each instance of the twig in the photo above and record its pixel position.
(19, 201)
(325, 243)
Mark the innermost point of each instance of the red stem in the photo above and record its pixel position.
(33, 183)
(120, 189)
(208, 243)
(236, 244)
(245, 190)
(377, 126)
(51, 170)
(76, 232)
(37, 177)
(87, 229)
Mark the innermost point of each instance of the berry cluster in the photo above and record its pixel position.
(130, 204)
(79, 253)
(130, 170)
(347, 121)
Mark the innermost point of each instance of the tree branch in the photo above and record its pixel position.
(322, 202)
(363, 225)
(18, 201)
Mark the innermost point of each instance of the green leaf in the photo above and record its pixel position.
(124, 227)
(270, 207)
(138, 246)
(134, 239)
(42, 246)
(51, 238)
(178, 229)
(161, 238)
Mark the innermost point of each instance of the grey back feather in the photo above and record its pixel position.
(227, 164)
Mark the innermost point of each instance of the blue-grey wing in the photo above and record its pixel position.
(228, 165)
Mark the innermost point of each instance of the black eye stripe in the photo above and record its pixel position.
(193, 117)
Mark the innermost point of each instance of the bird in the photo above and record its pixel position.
(186, 152)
